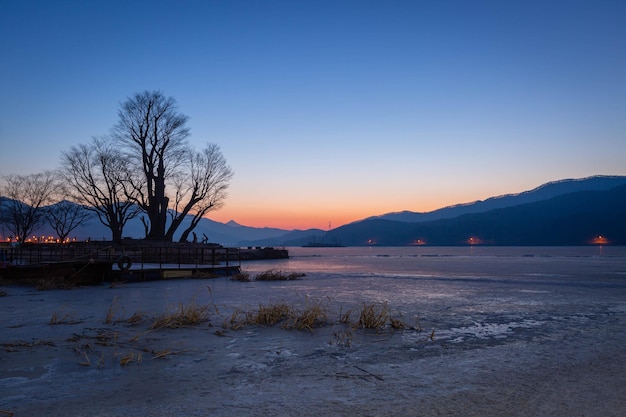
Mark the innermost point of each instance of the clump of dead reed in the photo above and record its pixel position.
(274, 275)
(182, 315)
(370, 316)
(313, 315)
(266, 315)
(373, 316)
(241, 277)
(271, 314)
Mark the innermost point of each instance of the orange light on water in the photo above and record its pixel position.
(473, 241)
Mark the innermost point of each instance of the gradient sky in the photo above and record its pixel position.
(331, 111)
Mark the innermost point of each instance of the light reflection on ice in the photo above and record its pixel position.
(486, 330)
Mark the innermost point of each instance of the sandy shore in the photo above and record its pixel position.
(566, 359)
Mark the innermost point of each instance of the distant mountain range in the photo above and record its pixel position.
(566, 212)
(543, 192)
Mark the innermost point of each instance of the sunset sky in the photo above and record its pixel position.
(331, 111)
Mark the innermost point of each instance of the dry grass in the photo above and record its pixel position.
(136, 318)
(271, 314)
(182, 316)
(107, 338)
(237, 320)
(344, 318)
(373, 316)
(313, 315)
(162, 354)
(100, 364)
(83, 353)
(14, 346)
(130, 358)
(273, 275)
(342, 338)
(111, 311)
(241, 277)
(266, 315)
(397, 323)
(58, 318)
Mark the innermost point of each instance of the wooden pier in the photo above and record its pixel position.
(97, 262)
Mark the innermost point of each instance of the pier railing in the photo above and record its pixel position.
(148, 254)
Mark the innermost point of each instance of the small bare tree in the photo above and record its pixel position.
(99, 178)
(199, 189)
(64, 216)
(26, 196)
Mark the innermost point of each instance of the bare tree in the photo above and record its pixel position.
(153, 135)
(23, 209)
(199, 189)
(99, 177)
(64, 216)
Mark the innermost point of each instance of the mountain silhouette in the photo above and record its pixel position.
(576, 218)
(543, 192)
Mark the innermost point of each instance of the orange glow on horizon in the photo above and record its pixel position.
(289, 220)
(304, 212)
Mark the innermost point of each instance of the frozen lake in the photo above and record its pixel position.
(504, 331)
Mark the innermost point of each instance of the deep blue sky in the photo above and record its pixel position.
(331, 111)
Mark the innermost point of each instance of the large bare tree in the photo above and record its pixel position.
(23, 209)
(100, 179)
(174, 178)
(153, 134)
